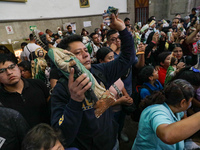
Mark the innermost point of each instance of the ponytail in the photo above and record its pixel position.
(157, 97)
(173, 93)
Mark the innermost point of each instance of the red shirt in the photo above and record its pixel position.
(161, 75)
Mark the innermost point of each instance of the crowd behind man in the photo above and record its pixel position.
(131, 60)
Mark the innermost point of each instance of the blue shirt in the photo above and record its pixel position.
(150, 119)
(144, 92)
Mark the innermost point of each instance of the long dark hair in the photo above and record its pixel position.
(173, 93)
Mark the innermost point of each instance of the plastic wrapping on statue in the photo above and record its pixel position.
(62, 59)
(89, 94)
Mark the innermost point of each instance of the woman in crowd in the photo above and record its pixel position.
(160, 125)
(105, 55)
(25, 68)
(188, 60)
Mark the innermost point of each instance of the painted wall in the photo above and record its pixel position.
(39, 9)
(10, 14)
(168, 8)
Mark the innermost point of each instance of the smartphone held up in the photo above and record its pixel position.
(107, 15)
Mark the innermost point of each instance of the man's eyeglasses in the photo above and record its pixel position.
(114, 39)
(11, 67)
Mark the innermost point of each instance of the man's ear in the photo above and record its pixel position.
(182, 103)
(108, 42)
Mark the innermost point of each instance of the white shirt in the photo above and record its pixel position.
(22, 56)
(32, 47)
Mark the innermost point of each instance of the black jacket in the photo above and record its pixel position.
(13, 128)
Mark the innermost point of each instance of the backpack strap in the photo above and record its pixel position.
(30, 52)
(147, 87)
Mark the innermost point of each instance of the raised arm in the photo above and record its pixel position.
(178, 131)
(115, 69)
(190, 38)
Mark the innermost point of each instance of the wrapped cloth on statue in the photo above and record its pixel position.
(64, 60)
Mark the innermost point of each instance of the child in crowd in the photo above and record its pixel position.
(149, 77)
(164, 62)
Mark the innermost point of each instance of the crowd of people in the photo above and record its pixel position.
(150, 71)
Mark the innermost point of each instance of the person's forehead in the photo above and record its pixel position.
(178, 48)
(114, 35)
(76, 45)
(110, 54)
(95, 36)
(7, 63)
(176, 20)
(21, 68)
